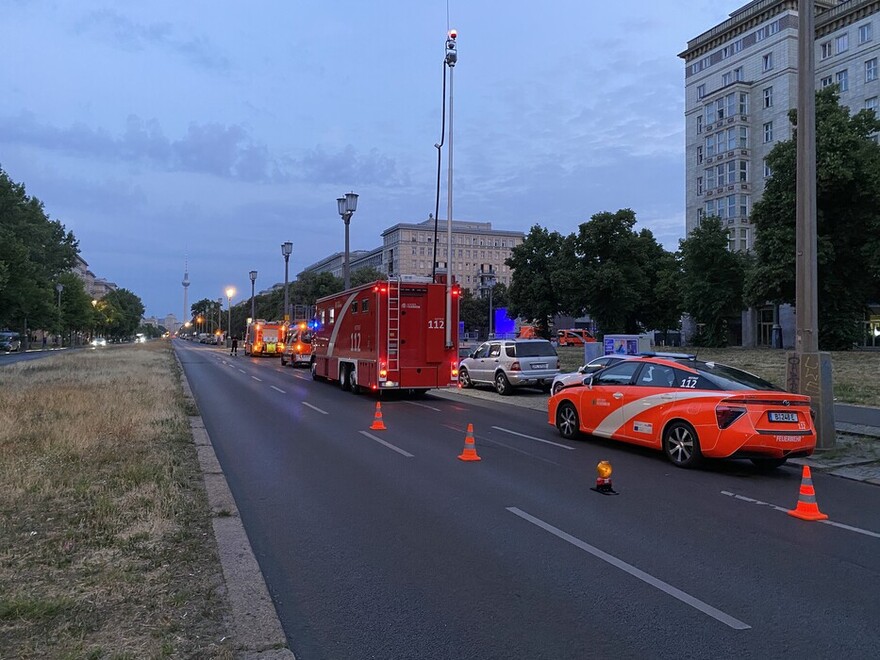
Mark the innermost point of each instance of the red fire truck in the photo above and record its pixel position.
(264, 338)
(387, 335)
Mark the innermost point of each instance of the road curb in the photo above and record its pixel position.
(258, 634)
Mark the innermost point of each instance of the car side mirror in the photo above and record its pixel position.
(472, 354)
(582, 369)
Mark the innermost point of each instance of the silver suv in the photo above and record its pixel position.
(510, 363)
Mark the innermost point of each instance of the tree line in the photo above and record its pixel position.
(36, 255)
(627, 282)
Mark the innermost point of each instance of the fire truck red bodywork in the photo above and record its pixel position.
(387, 335)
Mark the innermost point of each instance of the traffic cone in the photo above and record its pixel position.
(807, 509)
(469, 453)
(378, 424)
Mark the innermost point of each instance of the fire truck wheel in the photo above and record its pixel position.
(355, 388)
(345, 378)
(502, 385)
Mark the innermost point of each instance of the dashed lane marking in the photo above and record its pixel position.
(423, 405)
(665, 587)
(257, 379)
(309, 405)
(531, 437)
(387, 444)
(277, 389)
(849, 528)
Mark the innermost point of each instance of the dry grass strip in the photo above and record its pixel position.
(856, 374)
(106, 549)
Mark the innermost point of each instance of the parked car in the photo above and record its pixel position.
(510, 363)
(574, 337)
(10, 341)
(574, 378)
(689, 410)
(98, 341)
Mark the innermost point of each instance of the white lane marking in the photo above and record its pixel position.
(387, 444)
(849, 528)
(258, 379)
(531, 437)
(423, 405)
(685, 598)
(309, 405)
(277, 389)
(241, 370)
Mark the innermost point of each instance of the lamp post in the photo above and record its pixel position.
(59, 288)
(347, 206)
(487, 283)
(229, 293)
(451, 60)
(253, 276)
(286, 249)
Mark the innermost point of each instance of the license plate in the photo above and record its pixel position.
(540, 365)
(270, 348)
(783, 417)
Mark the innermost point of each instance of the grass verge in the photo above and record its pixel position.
(855, 374)
(106, 542)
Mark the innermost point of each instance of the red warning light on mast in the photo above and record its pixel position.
(453, 34)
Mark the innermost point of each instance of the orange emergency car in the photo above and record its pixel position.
(689, 410)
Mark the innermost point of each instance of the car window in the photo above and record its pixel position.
(730, 378)
(495, 350)
(535, 349)
(482, 351)
(618, 374)
(510, 350)
(688, 380)
(656, 375)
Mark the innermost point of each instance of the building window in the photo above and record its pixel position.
(726, 78)
(699, 123)
(743, 171)
(825, 82)
(744, 206)
(699, 155)
(843, 80)
(768, 132)
(701, 91)
(743, 103)
(738, 46)
(841, 44)
(710, 146)
(699, 185)
(768, 97)
(871, 104)
(865, 33)
(738, 74)
(767, 62)
(709, 111)
(761, 34)
(731, 172)
(710, 178)
(773, 28)
(827, 51)
(871, 69)
(767, 171)
(700, 215)
(731, 139)
(743, 137)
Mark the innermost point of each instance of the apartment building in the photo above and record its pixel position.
(408, 249)
(740, 83)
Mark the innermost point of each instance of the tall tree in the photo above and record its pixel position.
(848, 221)
(712, 281)
(533, 293)
(127, 312)
(609, 272)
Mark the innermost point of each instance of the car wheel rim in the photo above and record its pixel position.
(680, 444)
(567, 421)
(500, 385)
(464, 378)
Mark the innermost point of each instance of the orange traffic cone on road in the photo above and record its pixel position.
(807, 509)
(378, 424)
(469, 453)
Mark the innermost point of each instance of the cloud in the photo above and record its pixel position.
(113, 28)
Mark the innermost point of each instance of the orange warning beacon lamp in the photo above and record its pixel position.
(603, 478)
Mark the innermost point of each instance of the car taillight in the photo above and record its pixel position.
(515, 366)
(382, 373)
(280, 346)
(727, 415)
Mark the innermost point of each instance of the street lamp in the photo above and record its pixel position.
(487, 283)
(229, 293)
(59, 288)
(286, 249)
(347, 206)
(253, 276)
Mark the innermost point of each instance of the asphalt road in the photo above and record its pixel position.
(382, 544)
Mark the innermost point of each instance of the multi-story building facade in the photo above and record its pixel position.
(96, 287)
(408, 249)
(740, 83)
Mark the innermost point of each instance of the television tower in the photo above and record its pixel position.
(185, 287)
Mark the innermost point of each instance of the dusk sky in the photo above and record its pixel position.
(167, 132)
